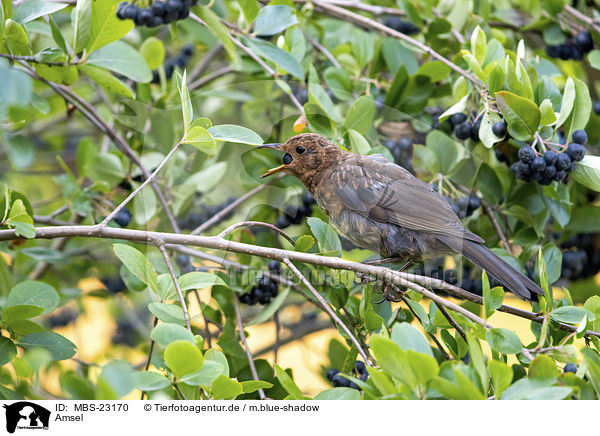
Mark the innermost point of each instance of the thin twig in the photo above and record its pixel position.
(327, 308)
(149, 358)
(179, 391)
(210, 77)
(490, 214)
(207, 329)
(581, 17)
(235, 226)
(226, 210)
(452, 321)
(149, 179)
(186, 315)
(204, 63)
(238, 315)
(322, 49)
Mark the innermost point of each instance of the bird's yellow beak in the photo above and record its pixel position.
(275, 146)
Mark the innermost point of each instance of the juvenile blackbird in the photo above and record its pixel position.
(380, 206)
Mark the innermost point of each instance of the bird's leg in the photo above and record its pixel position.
(391, 292)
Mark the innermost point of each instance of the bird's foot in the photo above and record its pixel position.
(390, 292)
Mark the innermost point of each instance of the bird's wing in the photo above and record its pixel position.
(387, 193)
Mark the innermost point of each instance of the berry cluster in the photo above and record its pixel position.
(401, 25)
(195, 219)
(123, 217)
(582, 258)
(339, 381)
(401, 150)
(159, 13)
(265, 289)
(463, 128)
(114, 284)
(64, 317)
(465, 206)
(295, 215)
(573, 48)
(178, 61)
(550, 166)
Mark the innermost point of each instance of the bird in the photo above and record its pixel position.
(382, 207)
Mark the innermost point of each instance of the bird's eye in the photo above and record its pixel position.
(300, 149)
(287, 159)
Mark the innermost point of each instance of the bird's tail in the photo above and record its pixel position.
(493, 264)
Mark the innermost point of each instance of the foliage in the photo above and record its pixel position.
(88, 99)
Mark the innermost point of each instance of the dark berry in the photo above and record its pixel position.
(305, 211)
(159, 8)
(584, 41)
(332, 373)
(364, 376)
(114, 284)
(474, 203)
(188, 50)
(475, 130)
(144, 17)
(405, 143)
(463, 131)
(121, 10)
(462, 203)
(247, 299)
(550, 157)
(524, 168)
(293, 214)
(570, 367)
(183, 12)
(552, 51)
(156, 21)
(360, 367)
(340, 381)
(123, 217)
(282, 222)
(401, 25)
(563, 162)
(275, 266)
(596, 107)
(182, 260)
(565, 52)
(580, 137)
(576, 52)
(130, 12)
(456, 119)
(538, 164)
(550, 171)
(526, 154)
(560, 176)
(499, 129)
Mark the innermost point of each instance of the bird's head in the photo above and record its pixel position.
(305, 156)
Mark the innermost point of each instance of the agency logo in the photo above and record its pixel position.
(26, 415)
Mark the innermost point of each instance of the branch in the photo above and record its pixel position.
(233, 227)
(186, 315)
(581, 17)
(327, 308)
(238, 315)
(210, 77)
(386, 274)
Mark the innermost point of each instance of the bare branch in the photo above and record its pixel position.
(186, 315)
(233, 227)
(238, 315)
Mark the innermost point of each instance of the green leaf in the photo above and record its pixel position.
(448, 151)
(273, 19)
(8, 350)
(547, 115)
(253, 385)
(304, 243)
(492, 300)
(35, 294)
(116, 380)
(153, 51)
(16, 38)
(329, 241)
(570, 314)
(588, 172)
(535, 389)
(59, 347)
(360, 115)
(521, 114)
(20, 311)
(106, 27)
(502, 376)
(496, 79)
(186, 102)
(250, 9)
(594, 59)
(568, 100)
(410, 338)
(210, 371)
(138, 264)
(279, 57)
(393, 360)
(183, 358)
(21, 220)
(33, 9)
(503, 341)
(358, 143)
(288, 383)
(213, 21)
(16, 86)
(582, 108)
(543, 367)
(166, 333)
(107, 81)
(169, 313)
(58, 37)
(150, 381)
(66, 75)
(478, 44)
(224, 388)
(83, 21)
(423, 366)
(122, 59)
(106, 168)
(235, 134)
(201, 139)
(338, 394)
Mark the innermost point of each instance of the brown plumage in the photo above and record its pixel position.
(382, 207)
